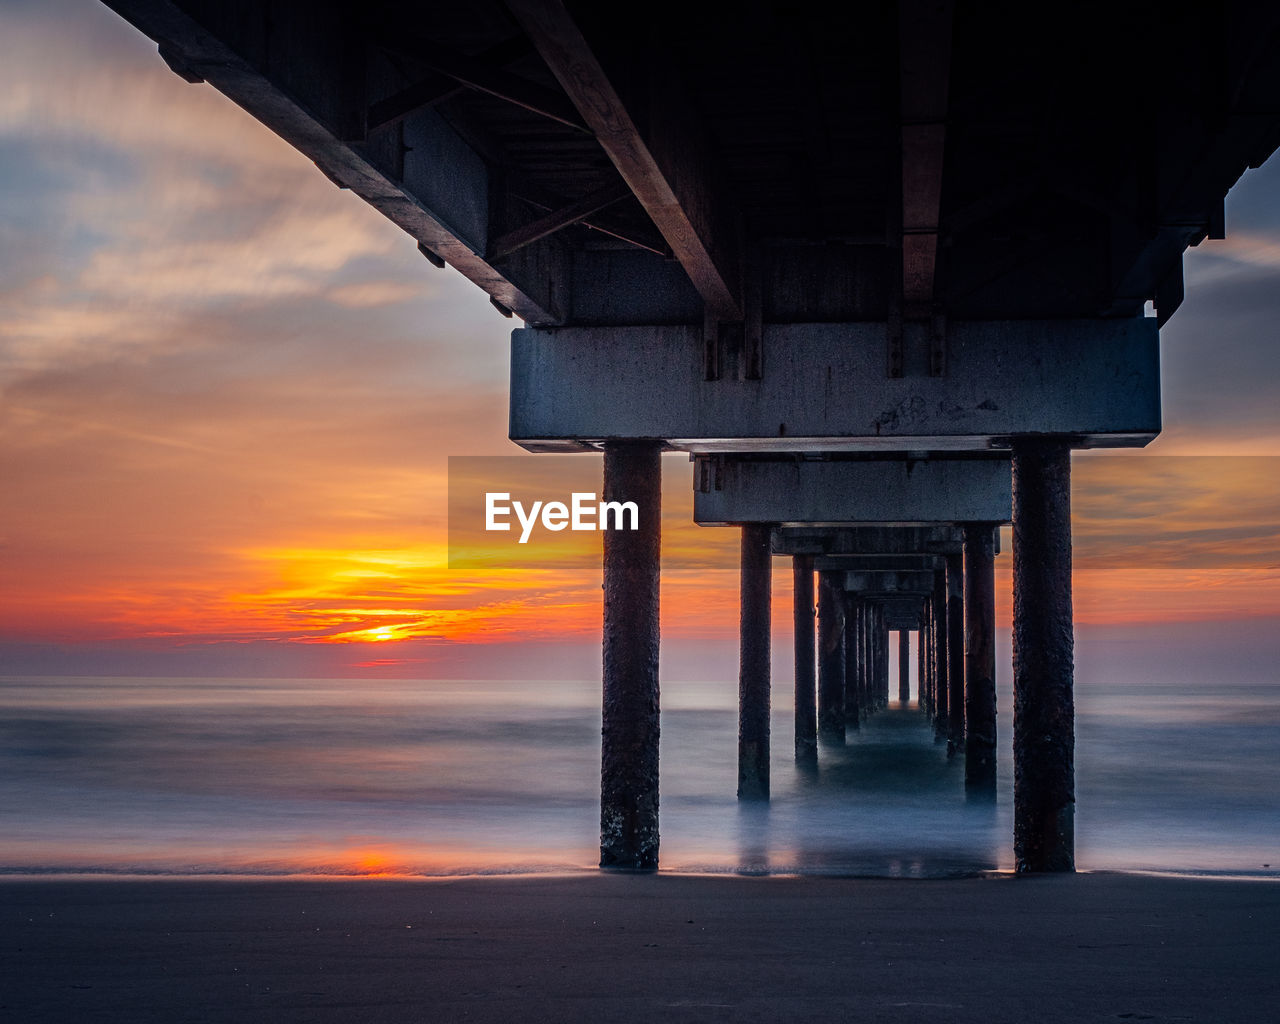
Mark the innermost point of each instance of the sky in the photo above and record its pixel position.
(228, 391)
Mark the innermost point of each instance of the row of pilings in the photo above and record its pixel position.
(956, 670)
(955, 626)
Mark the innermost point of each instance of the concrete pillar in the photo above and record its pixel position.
(926, 660)
(831, 657)
(629, 734)
(873, 657)
(926, 657)
(753, 672)
(882, 659)
(980, 656)
(922, 700)
(806, 677)
(940, 688)
(866, 666)
(1043, 703)
(868, 687)
(850, 641)
(867, 677)
(955, 652)
(904, 666)
(853, 660)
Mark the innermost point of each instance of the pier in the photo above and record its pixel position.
(880, 273)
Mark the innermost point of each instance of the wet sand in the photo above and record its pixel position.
(641, 948)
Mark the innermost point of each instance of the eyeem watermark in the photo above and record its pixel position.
(584, 512)
(541, 512)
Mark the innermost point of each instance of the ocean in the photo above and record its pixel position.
(324, 777)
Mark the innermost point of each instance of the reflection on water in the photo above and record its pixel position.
(385, 777)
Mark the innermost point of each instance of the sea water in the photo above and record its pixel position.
(438, 777)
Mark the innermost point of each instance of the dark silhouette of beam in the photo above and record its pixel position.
(666, 166)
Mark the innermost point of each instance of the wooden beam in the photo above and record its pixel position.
(557, 220)
(668, 167)
(539, 198)
(409, 101)
(438, 87)
(484, 77)
(924, 43)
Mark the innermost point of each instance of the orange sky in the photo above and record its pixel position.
(228, 391)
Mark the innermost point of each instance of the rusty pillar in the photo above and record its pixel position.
(806, 697)
(831, 657)
(629, 733)
(1043, 641)
(753, 671)
(955, 653)
(904, 667)
(980, 656)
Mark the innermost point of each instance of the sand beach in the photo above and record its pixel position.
(601, 947)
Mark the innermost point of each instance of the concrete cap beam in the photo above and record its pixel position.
(867, 540)
(824, 388)
(802, 491)
(889, 582)
(879, 563)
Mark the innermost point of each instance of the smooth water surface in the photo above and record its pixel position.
(437, 777)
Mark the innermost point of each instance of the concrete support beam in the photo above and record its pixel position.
(881, 563)
(979, 657)
(901, 617)
(753, 675)
(903, 611)
(831, 627)
(630, 723)
(868, 540)
(1043, 659)
(889, 582)
(904, 666)
(1094, 380)
(955, 653)
(881, 491)
(806, 705)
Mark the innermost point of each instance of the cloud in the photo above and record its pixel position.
(227, 391)
(1220, 370)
